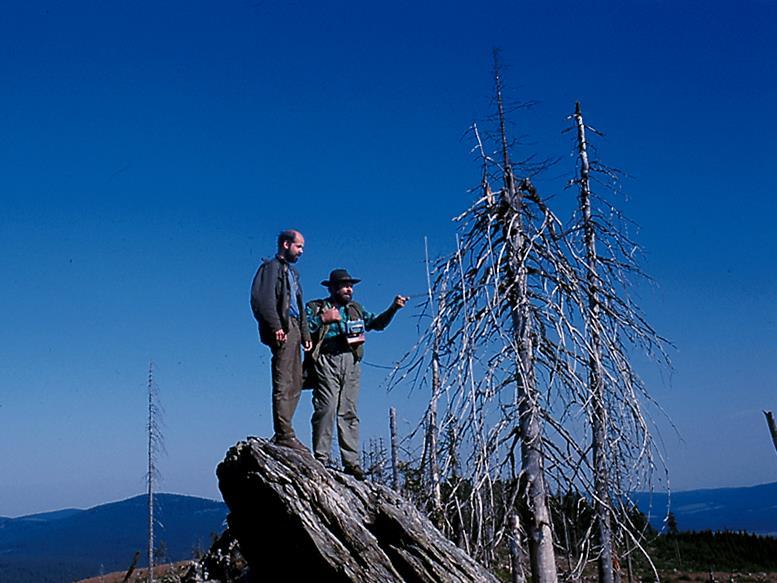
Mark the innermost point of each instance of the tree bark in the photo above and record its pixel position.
(595, 376)
(536, 519)
(152, 443)
(292, 515)
(516, 553)
(772, 426)
(431, 435)
(394, 449)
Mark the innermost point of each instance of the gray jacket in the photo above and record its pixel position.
(270, 300)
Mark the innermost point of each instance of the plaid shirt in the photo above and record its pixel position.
(335, 328)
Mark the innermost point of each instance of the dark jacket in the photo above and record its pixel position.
(270, 300)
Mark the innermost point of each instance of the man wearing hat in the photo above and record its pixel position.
(337, 325)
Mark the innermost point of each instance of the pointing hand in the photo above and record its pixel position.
(400, 301)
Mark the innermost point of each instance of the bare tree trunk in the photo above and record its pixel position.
(131, 570)
(772, 426)
(537, 517)
(516, 553)
(567, 546)
(394, 449)
(533, 328)
(431, 439)
(629, 568)
(595, 376)
(151, 471)
(431, 436)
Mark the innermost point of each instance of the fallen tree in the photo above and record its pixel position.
(291, 515)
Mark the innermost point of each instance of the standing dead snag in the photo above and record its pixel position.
(772, 426)
(394, 448)
(483, 362)
(155, 446)
(532, 384)
(605, 327)
(518, 246)
(595, 372)
(430, 439)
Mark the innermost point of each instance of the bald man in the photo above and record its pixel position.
(276, 301)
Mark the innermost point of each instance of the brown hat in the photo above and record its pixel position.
(339, 276)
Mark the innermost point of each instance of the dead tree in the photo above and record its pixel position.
(605, 327)
(394, 449)
(132, 567)
(375, 460)
(155, 447)
(772, 426)
(518, 246)
(595, 373)
(484, 364)
(531, 343)
(430, 440)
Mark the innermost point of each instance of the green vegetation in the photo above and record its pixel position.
(677, 555)
(716, 551)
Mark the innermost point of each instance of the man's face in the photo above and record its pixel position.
(293, 249)
(342, 293)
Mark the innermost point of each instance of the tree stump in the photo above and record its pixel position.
(293, 517)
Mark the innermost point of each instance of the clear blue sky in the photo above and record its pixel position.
(150, 152)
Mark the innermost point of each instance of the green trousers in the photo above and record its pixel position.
(336, 398)
(286, 381)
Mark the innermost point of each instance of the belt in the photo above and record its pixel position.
(334, 346)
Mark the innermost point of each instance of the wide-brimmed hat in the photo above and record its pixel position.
(339, 276)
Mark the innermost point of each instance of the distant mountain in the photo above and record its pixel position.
(48, 516)
(72, 544)
(69, 544)
(752, 509)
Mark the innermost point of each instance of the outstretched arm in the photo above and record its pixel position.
(380, 321)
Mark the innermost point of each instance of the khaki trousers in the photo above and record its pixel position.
(286, 381)
(336, 397)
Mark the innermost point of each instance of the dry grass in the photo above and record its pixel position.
(676, 576)
(169, 572)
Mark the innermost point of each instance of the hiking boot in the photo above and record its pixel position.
(329, 464)
(356, 472)
(291, 442)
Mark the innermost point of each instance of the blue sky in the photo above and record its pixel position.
(150, 152)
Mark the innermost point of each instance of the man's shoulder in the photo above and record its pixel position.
(271, 264)
(316, 304)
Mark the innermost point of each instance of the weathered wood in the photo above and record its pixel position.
(431, 429)
(536, 520)
(292, 515)
(132, 567)
(772, 426)
(593, 326)
(394, 448)
(154, 445)
(516, 552)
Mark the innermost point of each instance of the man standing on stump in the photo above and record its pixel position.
(276, 300)
(338, 325)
